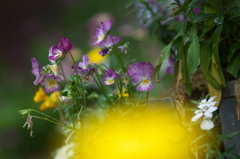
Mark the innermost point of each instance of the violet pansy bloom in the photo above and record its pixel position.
(50, 83)
(102, 31)
(141, 73)
(37, 70)
(65, 45)
(109, 77)
(107, 44)
(56, 52)
(84, 69)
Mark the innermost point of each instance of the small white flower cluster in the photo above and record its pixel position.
(206, 109)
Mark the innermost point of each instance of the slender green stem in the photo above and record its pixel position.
(75, 67)
(117, 55)
(57, 123)
(33, 110)
(62, 72)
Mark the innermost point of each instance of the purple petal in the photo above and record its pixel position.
(196, 11)
(107, 26)
(133, 68)
(86, 60)
(144, 87)
(170, 70)
(65, 45)
(113, 39)
(171, 60)
(104, 52)
(136, 78)
(123, 49)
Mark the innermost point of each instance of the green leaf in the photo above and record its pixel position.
(197, 139)
(234, 65)
(200, 147)
(167, 49)
(202, 17)
(209, 9)
(205, 60)
(228, 136)
(235, 46)
(183, 54)
(193, 53)
(156, 73)
(215, 50)
(229, 149)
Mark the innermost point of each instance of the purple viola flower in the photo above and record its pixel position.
(56, 52)
(84, 69)
(123, 49)
(50, 83)
(65, 45)
(109, 77)
(37, 70)
(107, 44)
(196, 10)
(170, 69)
(141, 74)
(102, 31)
(85, 66)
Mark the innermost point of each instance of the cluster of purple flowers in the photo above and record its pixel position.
(104, 40)
(140, 73)
(49, 79)
(84, 68)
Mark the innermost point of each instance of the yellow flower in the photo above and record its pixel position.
(95, 57)
(123, 94)
(48, 101)
(40, 95)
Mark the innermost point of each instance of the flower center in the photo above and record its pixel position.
(110, 81)
(146, 81)
(52, 82)
(101, 37)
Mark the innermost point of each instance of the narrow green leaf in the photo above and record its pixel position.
(202, 17)
(205, 60)
(235, 46)
(156, 73)
(200, 147)
(165, 53)
(185, 75)
(234, 65)
(215, 50)
(228, 136)
(167, 49)
(193, 53)
(197, 139)
(209, 9)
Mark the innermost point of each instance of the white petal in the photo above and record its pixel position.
(212, 109)
(196, 117)
(207, 125)
(208, 114)
(211, 99)
(197, 111)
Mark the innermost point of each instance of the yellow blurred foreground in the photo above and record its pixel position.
(139, 133)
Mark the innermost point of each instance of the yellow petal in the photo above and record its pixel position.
(40, 95)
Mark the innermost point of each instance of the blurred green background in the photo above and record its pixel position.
(28, 29)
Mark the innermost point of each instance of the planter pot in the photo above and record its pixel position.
(228, 117)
